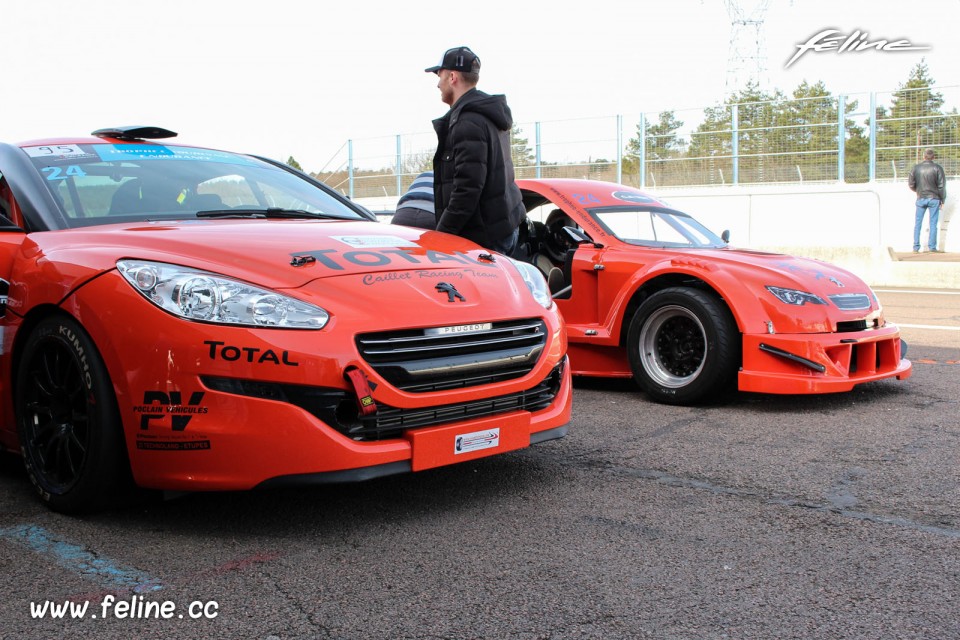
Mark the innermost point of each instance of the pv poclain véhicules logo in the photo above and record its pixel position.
(857, 41)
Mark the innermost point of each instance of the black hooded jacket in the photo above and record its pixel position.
(473, 183)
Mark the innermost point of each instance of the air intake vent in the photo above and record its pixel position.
(424, 360)
(851, 301)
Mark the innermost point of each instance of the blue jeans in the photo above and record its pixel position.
(922, 205)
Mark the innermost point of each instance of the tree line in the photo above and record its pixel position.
(753, 136)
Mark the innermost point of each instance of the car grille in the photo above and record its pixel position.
(416, 362)
(851, 301)
(338, 408)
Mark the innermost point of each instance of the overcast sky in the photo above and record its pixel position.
(300, 78)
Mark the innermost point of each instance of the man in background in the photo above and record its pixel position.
(476, 196)
(930, 183)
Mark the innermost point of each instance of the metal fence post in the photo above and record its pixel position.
(735, 141)
(872, 159)
(399, 166)
(841, 137)
(619, 149)
(537, 133)
(350, 169)
(642, 160)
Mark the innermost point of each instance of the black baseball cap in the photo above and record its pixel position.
(457, 59)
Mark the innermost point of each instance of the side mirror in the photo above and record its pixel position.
(579, 237)
(725, 236)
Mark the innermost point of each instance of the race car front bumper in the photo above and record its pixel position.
(821, 363)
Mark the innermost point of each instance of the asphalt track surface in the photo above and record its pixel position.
(834, 516)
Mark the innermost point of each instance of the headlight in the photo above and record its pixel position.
(795, 297)
(535, 282)
(208, 297)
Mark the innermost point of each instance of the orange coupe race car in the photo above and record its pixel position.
(182, 318)
(649, 292)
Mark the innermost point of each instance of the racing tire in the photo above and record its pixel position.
(684, 346)
(69, 427)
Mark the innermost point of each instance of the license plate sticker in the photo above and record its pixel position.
(467, 442)
(479, 327)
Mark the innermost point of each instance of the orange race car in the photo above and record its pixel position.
(182, 318)
(649, 292)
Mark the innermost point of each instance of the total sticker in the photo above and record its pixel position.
(486, 439)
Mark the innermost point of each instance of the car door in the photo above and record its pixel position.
(12, 237)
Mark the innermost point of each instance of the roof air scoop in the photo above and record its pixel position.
(134, 133)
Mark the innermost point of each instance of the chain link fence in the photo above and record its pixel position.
(822, 138)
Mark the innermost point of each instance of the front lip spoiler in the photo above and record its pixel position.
(793, 357)
(362, 474)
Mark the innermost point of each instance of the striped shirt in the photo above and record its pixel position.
(420, 193)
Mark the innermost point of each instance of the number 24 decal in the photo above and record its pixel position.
(586, 198)
(57, 173)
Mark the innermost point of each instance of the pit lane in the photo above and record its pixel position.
(763, 517)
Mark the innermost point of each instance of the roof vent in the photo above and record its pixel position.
(134, 133)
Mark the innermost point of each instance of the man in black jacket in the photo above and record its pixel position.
(474, 189)
(930, 183)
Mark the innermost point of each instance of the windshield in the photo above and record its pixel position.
(655, 227)
(106, 183)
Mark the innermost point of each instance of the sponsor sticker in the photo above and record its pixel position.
(365, 242)
(177, 445)
(125, 152)
(55, 151)
(479, 327)
(629, 196)
(467, 442)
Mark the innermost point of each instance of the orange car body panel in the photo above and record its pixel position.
(606, 278)
(187, 428)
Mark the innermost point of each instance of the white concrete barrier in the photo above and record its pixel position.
(860, 227)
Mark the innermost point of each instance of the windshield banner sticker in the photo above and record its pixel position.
(126, 152)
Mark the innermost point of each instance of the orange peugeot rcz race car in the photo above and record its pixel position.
(182, 318)
(648, 292)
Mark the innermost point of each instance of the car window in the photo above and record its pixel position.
(650, 226)
(105, 183)
(9, 212)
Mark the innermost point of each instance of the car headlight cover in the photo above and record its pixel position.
(794, 296)
(535, 282)
(207, 297)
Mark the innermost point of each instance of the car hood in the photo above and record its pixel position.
(814, 276)
(846, 298)
(277, 254)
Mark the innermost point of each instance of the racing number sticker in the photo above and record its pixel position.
(55, 151)
(57, 173)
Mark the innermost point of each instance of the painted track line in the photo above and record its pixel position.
(927, 326)
(918, 292)
(81, 561)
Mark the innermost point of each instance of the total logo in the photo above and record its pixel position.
(255, 355)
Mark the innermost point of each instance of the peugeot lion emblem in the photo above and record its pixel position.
(451, 291)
